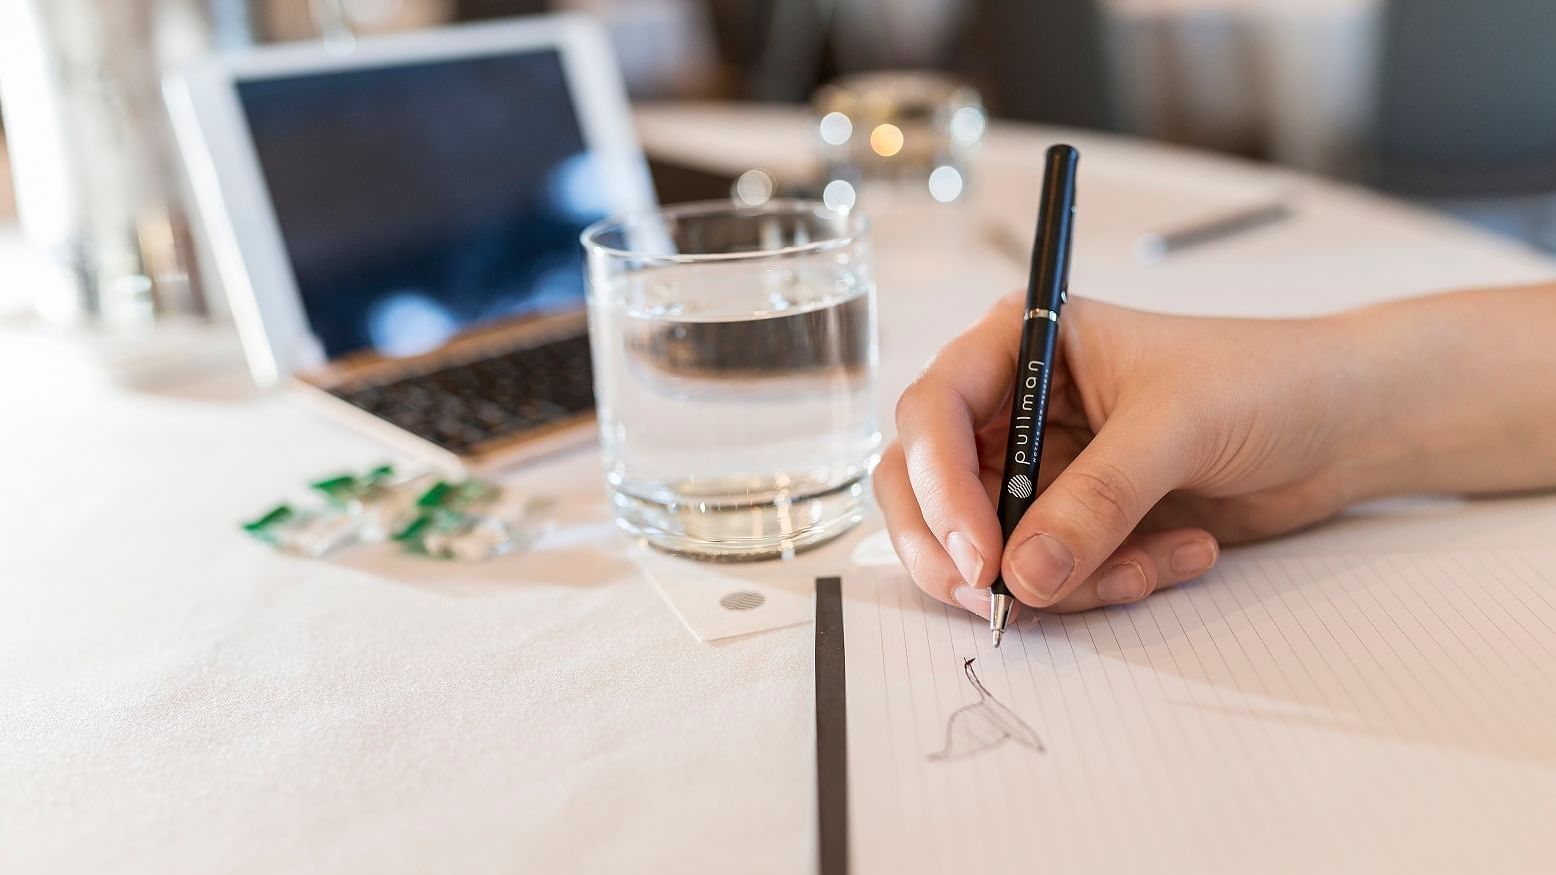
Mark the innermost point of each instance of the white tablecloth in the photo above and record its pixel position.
(175, 698)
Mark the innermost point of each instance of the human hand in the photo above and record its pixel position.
(1166, 437)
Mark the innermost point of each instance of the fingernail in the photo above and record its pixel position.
(967, 558)
(1041, 565)
(1124, 582)
(1195, 557)
(973, 599)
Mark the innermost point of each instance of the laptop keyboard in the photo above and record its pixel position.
(461, 406)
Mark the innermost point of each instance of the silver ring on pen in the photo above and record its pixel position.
(1043, 313)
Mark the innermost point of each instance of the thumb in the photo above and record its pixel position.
(1089, 509)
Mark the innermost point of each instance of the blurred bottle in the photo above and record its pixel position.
(98, 185)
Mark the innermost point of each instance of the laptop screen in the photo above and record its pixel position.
(418, 201)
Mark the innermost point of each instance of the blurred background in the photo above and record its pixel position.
(1444, 102)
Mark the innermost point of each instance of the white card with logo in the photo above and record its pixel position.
(724, 600)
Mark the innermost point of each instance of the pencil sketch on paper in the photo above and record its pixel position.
(983, 725)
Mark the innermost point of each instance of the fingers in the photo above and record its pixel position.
(937, 421)
(1145, 564)
(921, 553)
(1090, 508)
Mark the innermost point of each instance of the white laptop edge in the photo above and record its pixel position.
(229, 189)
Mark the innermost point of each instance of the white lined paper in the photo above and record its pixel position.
(1333, 713)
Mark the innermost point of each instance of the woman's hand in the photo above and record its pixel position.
(1166, 436)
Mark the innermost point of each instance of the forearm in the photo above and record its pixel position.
(1453, 393)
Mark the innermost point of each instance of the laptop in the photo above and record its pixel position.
(397, 225)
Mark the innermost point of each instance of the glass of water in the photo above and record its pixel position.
(734, 372)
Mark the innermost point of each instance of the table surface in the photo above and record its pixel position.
(176, 698)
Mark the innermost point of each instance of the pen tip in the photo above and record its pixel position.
(998, 634)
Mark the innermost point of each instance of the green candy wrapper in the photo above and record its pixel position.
(303, 532)
(466, 520)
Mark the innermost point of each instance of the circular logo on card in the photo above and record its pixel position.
(743, 601)
(1020, 486)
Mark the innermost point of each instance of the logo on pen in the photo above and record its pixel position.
(1020, 486)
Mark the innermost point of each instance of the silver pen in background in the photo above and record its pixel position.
(1154, 247)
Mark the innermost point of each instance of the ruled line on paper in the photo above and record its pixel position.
(1291, 714)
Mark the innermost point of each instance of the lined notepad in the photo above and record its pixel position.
(1326, 714)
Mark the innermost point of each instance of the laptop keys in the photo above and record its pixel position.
(461, 406)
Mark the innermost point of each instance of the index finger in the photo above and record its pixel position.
(963, 387)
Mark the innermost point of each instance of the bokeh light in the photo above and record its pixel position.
(945, 184)
(967, 125)
(886, 140)
(574, 189)
(408, 322)
(754, 188)
(836, 128)
(838, 195)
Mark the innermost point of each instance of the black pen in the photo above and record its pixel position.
(1047, 290)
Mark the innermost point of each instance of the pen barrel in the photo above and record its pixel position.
(1047, 289)
(1028, 413)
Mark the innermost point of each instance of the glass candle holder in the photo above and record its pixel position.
(903, 131)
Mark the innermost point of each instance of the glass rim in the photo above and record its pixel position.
(856, 226)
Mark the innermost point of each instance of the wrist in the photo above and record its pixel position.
(1388, 367)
